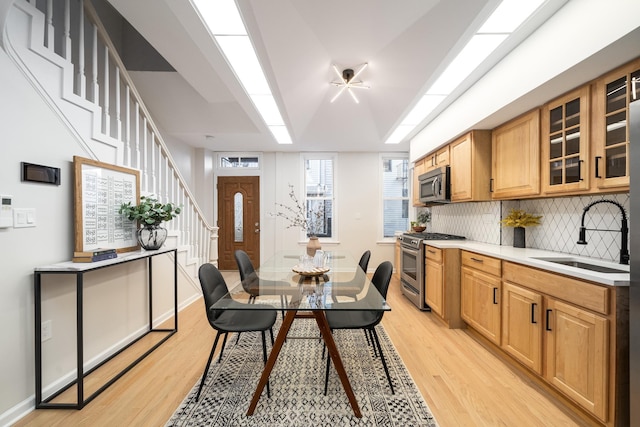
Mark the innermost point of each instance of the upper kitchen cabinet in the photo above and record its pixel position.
(611, 97)
(565, 143)
(438, 159)
(419, 167)
(470, 161)
(515, 152)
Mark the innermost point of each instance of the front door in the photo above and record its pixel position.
(238, 219)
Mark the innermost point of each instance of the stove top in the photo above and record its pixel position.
(434, 236)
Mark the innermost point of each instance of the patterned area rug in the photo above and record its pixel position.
(297, 385)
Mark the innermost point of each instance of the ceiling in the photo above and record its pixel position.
(203, 105)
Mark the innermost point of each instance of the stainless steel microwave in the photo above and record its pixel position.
(435, 186)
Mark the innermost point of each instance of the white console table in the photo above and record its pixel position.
(79, 270)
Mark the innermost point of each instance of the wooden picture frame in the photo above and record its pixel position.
(100, 189)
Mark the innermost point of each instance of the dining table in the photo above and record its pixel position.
(289, 282)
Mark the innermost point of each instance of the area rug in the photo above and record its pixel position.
(297, 385)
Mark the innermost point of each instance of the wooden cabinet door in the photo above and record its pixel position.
(460, 151)
(419, 168)
(565, 143)
(515, 157)
(434, 293)
(610, 133)
(577, 348)
(481, 302)
(441, 158)
(522, 325)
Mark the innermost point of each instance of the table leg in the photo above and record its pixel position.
(321, 320)
(273, 356)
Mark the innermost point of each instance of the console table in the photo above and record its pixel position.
(80, 270)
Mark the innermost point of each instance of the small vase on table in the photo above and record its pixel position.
(313, 245)
(519, 237)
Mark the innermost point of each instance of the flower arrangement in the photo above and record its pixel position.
(150, 211)
(311, 221)
(519, 218)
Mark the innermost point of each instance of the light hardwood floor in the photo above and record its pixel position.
(462, 382)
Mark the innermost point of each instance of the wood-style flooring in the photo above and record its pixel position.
(463, 383)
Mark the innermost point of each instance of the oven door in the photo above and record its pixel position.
(411, 275)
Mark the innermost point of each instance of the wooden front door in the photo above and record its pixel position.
(238, 219)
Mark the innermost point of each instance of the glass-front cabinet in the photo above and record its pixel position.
(565, 143)
(612, 96)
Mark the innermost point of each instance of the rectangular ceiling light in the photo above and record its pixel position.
(224, 21)
(505, 19)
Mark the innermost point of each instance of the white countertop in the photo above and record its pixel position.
(526, 256)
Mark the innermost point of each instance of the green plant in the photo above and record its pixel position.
(150, 211)
(423, 217)
(519, 218)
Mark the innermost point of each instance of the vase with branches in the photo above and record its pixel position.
(519, 219)
(310, 220)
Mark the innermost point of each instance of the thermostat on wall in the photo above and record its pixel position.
(40, 173)
(6, 212)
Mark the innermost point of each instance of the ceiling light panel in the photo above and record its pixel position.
(268, 109)
(509, 15)
(221, 16)
(240, 54)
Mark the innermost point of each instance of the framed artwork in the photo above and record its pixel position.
(100, 189)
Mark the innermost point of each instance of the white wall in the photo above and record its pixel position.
(115, 308)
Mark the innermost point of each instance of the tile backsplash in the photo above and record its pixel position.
(557, 232)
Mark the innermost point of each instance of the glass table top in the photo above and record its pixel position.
(288, 281)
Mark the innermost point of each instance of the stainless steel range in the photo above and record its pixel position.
(412, 275)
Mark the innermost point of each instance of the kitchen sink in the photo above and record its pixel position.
(571, 262)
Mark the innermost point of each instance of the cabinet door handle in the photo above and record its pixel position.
(477, 259)
(495, 300)
(431, 251)
(547, 320)
(580, 170)
(533, 312)
(491, 185)
(597, 166)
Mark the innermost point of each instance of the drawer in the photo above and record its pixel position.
(482, 262)
(433, 254)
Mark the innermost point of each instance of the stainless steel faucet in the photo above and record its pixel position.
(624, 230)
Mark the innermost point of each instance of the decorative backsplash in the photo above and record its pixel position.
(557, 232)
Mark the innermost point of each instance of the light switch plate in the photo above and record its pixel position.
(24, 217)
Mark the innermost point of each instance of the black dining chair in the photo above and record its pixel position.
(224, 321)
(355, 285)
(251, 282)
(363, 319)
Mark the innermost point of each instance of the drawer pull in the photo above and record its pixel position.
(547, 321)
(431, 251)
(533, 312)
(495, 300)
(477, 259)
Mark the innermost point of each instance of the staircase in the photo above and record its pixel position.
(65, 51)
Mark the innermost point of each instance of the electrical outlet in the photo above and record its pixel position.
(47, 330)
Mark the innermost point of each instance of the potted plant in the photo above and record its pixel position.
(420, 224)
(519, 219)
(149, 214)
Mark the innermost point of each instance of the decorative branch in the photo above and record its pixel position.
(297, 216)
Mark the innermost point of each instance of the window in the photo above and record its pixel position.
(395, 195)
(252, 162)
(319, 185)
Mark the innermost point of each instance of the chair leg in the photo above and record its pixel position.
(375, 349)
(326, 373)
(384, 362)
(366, 335)
(271, 333)
(238, 338)
(206, 368)
(264, 358)
(224, 341)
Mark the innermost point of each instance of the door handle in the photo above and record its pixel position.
(547, 320)
(495, 301)
(597, 168)
(533, 312)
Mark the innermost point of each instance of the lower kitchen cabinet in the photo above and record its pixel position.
(481, 293)
(573, 335)
(577, 362)
(442, 283)
(522, 325)
(396, 259)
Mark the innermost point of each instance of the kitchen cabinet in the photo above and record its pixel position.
(396, 259)
(419, 167)
(572, 334)
(470, 162)
(438, 159)
(442, 283)
(610, 131)
(565, 143)
(481, 293)
(515, 153)
(522, 325)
